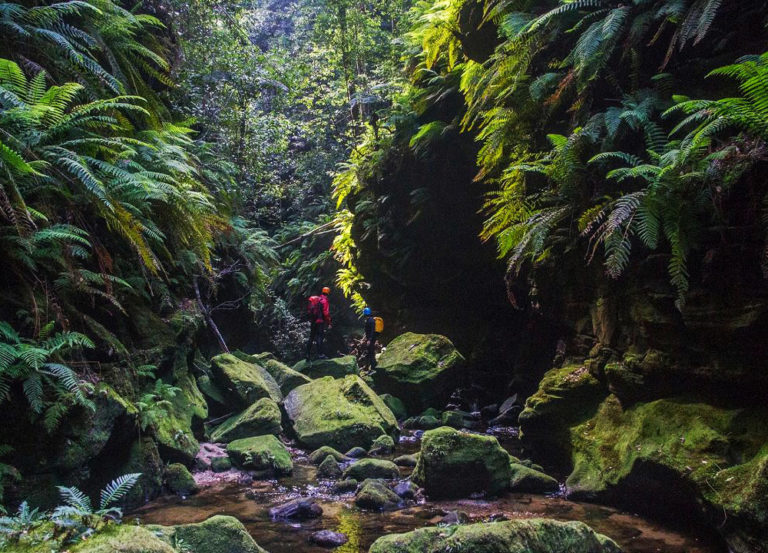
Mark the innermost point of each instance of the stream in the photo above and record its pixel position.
(231, 494)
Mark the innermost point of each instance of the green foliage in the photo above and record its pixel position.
(12, 527)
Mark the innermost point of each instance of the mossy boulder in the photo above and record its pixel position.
(406, 460)
(221, 464)
(427, 422)
(319, 455)
(455, 464)
(261, 453)
(213, 396)
(566, 396)
(337, 367)
(420, 369)
(515, 536)
(144, 458)
(372, 468)
(285, 376)
(243, 383)
(218, 534)
(454, 419)
(528, 480)
(383, 445)
(673, 455)
(179, 480)
(263, 417)
(174, 430)
(375, 495)
(329, 468)
(341, 413)
(395, 405)
(124, 538)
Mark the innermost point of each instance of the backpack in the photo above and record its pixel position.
(315, 308)
(378, 324)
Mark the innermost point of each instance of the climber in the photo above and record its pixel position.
(319, 312)
(373, 325)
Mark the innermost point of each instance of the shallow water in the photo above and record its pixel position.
(250, 502)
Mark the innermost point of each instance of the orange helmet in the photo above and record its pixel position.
(326, 290)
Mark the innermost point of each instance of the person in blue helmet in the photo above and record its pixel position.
(370, 336)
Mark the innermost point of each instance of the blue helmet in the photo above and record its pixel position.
(367, 311)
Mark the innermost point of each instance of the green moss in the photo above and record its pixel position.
(566, 396)
(375, 495)
(528, 480)
(338, 367)
(125, 538)
(372, 468)
(421, 369)
(210, 390)
(458, 464)
(383, 445)
(453, 419)
(422, 423)
(263, 417)
(179, 480)
(285, 376)
(395, 405)
(341, 413)
(329, 468)
(516, 536)
(318, 455)
(673, 450)
(218, 534)
(261, 453)
(144, 458)
(221, 464)
(173, 431)
(243, 383)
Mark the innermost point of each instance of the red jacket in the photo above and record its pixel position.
(320, 316)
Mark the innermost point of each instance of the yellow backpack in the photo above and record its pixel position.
(379, 324)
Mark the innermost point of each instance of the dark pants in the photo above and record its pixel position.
(316, 335)
(371, 353)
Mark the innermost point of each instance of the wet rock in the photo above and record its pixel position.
(489, 411)
(406, 460)
(329, 468)
(179, 480)
(221, 464)
(328, 538)
(319, 455)
(456, 464)
(528, 463)
(213, 396)
(341, 413)
(372, 468)
(338, 367)
(243, 383)
(507, 418)
(529, 536)
(396, 406)
(427, 422)
(356, 453)
(406, 489)
(298, 509)
(420, 369)
(261, 453)
(206, 454)
(454, 419)
(528, 480)
(218, 534)
(383, 445)
(263, 417)
(508, 403)
(375, 495)
(348, 485)
(455, 517)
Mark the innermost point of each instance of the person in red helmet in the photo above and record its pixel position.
(319, 311)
